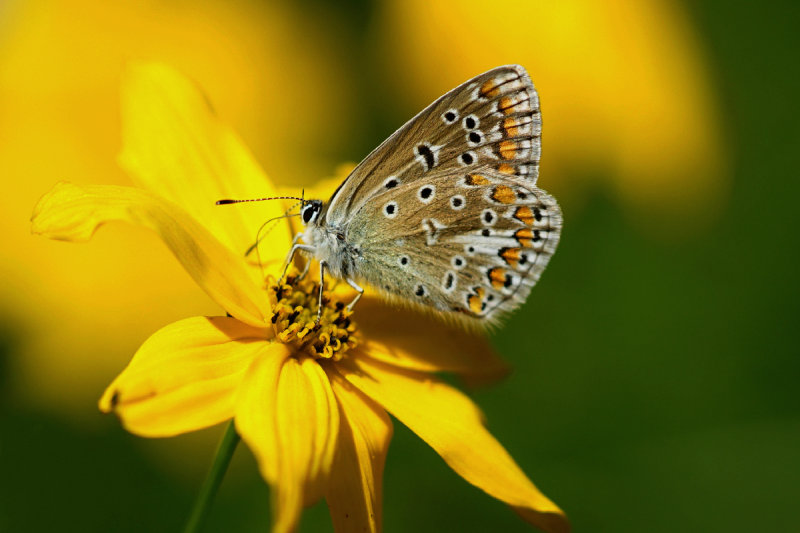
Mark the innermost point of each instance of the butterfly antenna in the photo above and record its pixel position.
(259, 235)
(228, 201)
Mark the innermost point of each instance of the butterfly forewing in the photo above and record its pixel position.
(467, 243)
(491, 120)
(445, 214)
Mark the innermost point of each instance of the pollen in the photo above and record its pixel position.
(294, 319)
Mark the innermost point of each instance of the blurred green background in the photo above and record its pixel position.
(656, 369)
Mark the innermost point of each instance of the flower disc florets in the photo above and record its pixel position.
(295, 313)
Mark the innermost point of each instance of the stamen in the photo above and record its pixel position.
(295, 313)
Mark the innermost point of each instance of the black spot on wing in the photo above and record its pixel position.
(426, 153)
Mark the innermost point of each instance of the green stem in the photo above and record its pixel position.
(213, 479)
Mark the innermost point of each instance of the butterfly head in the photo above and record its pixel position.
(310, 211)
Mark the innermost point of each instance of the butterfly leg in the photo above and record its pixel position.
(295, 247)
(306, 268)
(288, 259)
(360, 293)
(322, 265)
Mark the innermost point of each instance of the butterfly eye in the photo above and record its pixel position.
(310, 212)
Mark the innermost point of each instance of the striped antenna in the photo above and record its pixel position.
(228, 201)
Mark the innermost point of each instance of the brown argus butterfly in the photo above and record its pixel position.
(445, 215)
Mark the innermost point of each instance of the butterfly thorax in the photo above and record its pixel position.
(332, 248)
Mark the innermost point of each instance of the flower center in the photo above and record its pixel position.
(295, 315)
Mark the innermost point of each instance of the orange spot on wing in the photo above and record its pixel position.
(505, 168)
(497, 276)
(489, 89)
(524, 237)
(477, 179)
(503, 194)
(511, 255)
(524, 215)
(510, 127)
(508, 149)
(475, 303)
(507, 105)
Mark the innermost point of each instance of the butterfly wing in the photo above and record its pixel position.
(470, 244)
(492, 121)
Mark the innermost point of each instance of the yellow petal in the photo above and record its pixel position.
(413, 340)
(73, 213)
(355, 495)
(287, 415)
(453, 426)
(174, 145)
(185, 376)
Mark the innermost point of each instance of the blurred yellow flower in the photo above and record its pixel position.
(310, 402)
(60, 63)
(624, 89)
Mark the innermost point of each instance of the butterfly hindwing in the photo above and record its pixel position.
(465, 243)
(492, 120)
(445, 215)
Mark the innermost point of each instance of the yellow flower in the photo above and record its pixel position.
(59, 88)
(311, 403)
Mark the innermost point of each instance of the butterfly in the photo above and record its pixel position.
(445, 214)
